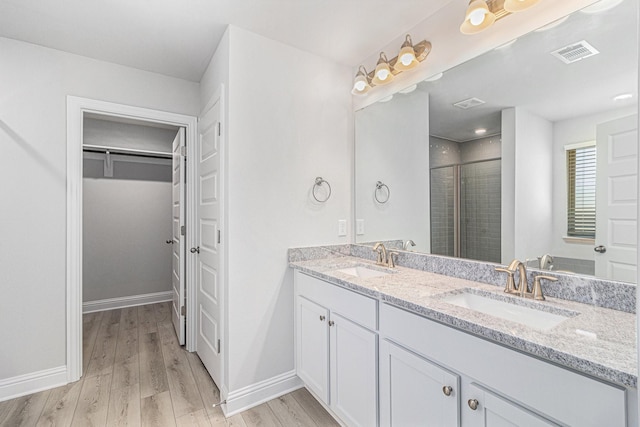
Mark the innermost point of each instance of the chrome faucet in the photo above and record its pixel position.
(407, 244)
(382, 253)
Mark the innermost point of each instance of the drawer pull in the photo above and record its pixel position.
(322, 318)
(473, 404)
(447, 390)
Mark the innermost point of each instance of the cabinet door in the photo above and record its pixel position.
(354, 396)
(416, 392)
(312, 342)
(494, 411)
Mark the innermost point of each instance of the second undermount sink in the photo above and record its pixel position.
(532, 317)
(364, 272)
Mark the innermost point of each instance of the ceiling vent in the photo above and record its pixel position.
(469, 103)
(575, 52)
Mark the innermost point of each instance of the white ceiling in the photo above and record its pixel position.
(178, 38)
(525, 74)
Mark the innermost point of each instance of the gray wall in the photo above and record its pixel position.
(127, 217)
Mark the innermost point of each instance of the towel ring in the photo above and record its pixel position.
(318, 184)
(379, 186)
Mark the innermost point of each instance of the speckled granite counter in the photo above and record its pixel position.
(597, 341)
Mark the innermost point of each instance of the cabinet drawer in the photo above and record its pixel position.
(358, 308)
(555, 392)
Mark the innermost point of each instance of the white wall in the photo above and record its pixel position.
(527, 142)
(34, 83)
(126, 221)
(392, 146)
(290, 120)
(579, 129)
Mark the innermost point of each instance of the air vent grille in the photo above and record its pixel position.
(575, 52)
(469, 103)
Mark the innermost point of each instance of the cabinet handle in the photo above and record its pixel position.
(322, 318)
(473, 404)
(447, 390)
(331, 323)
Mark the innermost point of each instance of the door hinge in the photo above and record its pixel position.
(183, 230)
(219, 128)
(183, 311)
(218, 236)
(218, 345)
(183, 150)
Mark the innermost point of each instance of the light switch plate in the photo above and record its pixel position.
(342, 227)
(359, 227)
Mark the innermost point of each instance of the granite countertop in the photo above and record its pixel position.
(593, 340)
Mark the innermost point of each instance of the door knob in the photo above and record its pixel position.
(600, 249)
(169, 242)
(195, 250)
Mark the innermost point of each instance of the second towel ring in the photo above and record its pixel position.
(379, 186)
(318, 184)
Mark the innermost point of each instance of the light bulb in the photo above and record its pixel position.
(477, 17)
(383, 74)
(406, 59)
(359, 86)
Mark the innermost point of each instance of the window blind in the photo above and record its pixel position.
(581, 214)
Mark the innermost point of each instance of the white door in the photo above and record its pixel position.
(312, 342)
(178, 198)
(208, 238)
(617, 199)
(414, 391)
(354, 373)
(494, 411)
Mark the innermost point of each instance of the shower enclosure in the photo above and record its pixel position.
(465, 210)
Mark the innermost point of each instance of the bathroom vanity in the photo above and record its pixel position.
(403, 347)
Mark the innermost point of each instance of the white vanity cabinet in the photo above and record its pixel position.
(500, 386)
(415, 391)
(336, 348)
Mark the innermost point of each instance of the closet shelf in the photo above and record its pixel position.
(127, 151)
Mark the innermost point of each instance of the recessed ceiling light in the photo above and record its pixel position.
(506, 45)
(552, 25)
(480, 131)
(409, 89)
(623, 97)
(601, 6)
(386, 98)
(434, 77)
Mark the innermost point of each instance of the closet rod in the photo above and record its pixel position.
(126, 151)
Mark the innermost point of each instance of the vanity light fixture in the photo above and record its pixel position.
(407, 57)
(410, 56)
(362, 83)
(383, 74)
(481, 14)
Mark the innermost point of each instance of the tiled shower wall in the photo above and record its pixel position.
(479, 195)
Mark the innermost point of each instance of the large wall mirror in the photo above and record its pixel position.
(528, 151)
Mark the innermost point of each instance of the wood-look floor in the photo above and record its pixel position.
(136, 374)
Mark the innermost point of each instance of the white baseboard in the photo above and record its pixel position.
(256, 394)
(122, 302)
(32, 383)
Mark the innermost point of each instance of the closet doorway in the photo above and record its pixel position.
(115, 173)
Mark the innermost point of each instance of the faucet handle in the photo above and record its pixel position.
(392, 259)
(537, 288)
(510, 287)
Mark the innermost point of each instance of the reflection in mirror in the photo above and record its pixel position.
(478, 162)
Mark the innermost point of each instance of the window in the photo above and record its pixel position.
(581, 191)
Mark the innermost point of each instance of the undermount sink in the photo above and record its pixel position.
(532, 317)
(364, 272)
